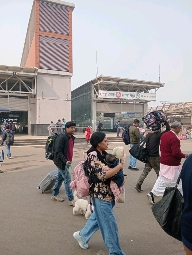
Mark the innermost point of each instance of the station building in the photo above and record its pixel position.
(111, 99)
(38, 91)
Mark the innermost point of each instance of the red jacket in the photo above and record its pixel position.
(171, 154)
(87, 133)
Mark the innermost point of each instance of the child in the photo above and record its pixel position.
(117, 180)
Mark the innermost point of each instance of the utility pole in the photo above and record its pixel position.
(96, 66)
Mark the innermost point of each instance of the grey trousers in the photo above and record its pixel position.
(153, 162)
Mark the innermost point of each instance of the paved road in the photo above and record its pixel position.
(32, 224)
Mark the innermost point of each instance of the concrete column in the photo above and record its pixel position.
(93, 110)
(29, 116)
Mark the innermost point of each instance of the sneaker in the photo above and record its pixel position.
(57, 198)
(150, 197)
(72, 203)
(138, 187)
(134, 169)
(80, 241)
(1, 171)
(129, 167)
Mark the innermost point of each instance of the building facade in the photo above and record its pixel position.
(48, 51)
(111, 99)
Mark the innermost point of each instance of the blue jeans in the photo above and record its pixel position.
(103, 218)
(133, 160)
(7, 147)
(63, 175)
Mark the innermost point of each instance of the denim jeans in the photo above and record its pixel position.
(7, 147)
(103, 218)
(63, 175)
(133, 160)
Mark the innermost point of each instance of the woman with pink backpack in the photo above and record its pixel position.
(102, 197)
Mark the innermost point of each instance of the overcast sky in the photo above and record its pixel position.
(131, 38)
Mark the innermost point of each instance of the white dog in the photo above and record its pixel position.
(82, 206)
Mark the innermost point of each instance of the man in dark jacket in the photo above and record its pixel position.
(135, 137)
(152, 145)
(63, 155)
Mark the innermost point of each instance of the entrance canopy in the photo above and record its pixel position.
(112, 89)
(17, 80)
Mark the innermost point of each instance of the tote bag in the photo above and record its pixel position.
(168, 211)
(139, 151)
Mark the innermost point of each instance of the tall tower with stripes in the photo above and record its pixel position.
(48, 43)
(48, 47)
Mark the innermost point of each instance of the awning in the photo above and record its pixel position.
(4, 110)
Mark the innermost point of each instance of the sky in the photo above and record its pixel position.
(131, 38)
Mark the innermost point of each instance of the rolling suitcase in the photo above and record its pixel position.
(48, 182)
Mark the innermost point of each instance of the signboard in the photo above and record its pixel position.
(127, 95)
(4, 110)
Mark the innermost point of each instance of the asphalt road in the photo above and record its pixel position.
(32, 224)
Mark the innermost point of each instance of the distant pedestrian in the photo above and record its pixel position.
(63, 125)
(135, 138)
(118, 127)
(2, 128)
(59, 126)
(88, 134)
(100, 126)
(170, 162)
(51, 128)
(7, 140)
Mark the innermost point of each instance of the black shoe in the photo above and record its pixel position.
(129, 167)
(138, 188)
(134, 169)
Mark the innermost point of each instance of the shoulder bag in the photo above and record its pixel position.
(139, 151)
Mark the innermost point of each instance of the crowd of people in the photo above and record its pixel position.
(167, 167)
(58, 127)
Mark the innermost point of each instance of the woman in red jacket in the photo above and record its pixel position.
(88, 134)
(170, 162)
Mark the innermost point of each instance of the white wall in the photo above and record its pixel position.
(51, 104)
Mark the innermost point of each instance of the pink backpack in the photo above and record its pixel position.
(80, 182)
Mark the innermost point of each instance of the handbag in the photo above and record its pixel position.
(168, 211)
(140, 152)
